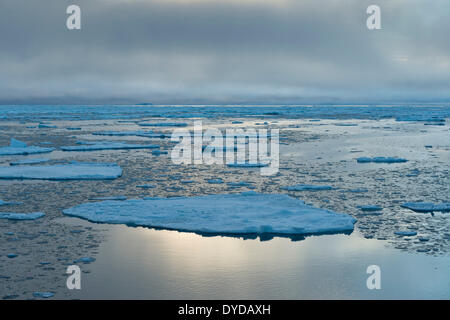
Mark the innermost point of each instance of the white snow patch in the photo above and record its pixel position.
(245, 213)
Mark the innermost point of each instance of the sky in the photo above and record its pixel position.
(224, 52)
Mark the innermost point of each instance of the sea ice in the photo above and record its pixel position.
(427, 206)
(43, 294)
(28, 161)
(370, 207)
(17, 147)
(95, 146)
(21, 216)
(380, 160)
(245, 213)
(307, 187)
(162, 124)
(405, 233)
(6, 203)
(75, 171)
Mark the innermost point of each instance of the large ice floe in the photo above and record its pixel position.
(247, 213)
(21, 216)
(427, 206)
(73, 171)
(17, 147)
(95, 146)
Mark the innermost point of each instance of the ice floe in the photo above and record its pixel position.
(245, 213)
(380, 160)
(405, 233)
(21, 216)
(427, 206)
(371, 207)
(17, 147)
(95, 146)
(28, 161)
(44, 295)
(6, 203)
(75, 171)
(163, 124)
(307, 187)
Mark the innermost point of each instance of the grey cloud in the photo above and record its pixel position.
(222, 51)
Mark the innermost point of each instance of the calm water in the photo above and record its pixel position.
(140, 263)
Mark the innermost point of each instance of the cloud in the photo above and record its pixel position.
(223, 51)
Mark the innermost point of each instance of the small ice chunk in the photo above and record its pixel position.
(10, 203)
(380, 160)
(163, 124)
(14, 143)
(215, 181)
(17, 147)
(427, 206)
(247, 165)
(21, 216)
(108, 146)
(28, 161)
(245, 213)
(307, 187)
(120, 198)
(371, 207)
(146, 186)
(85, 260)
(75, 171)
(405, 233)
(44, 295)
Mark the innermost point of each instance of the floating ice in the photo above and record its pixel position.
(76, 171)
(85, 260)
(162, 124)
(245, 213)
(427, 206)
(21, 216)
(405, 233)
(43, 294)
(247, 165)
(95, 146)
(17, 147)
(380, 160)
(370, 207)
(6, 203)
(307, 187)
(111, 198)
(28, 161)
(46, 126)
(215, 181)
(146, 186)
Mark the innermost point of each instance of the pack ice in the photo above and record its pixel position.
(75, 171)
(245, 213)
(17, 147)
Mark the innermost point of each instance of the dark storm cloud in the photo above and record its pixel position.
(218, 51)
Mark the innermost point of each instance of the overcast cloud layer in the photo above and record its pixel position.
(224, 51)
